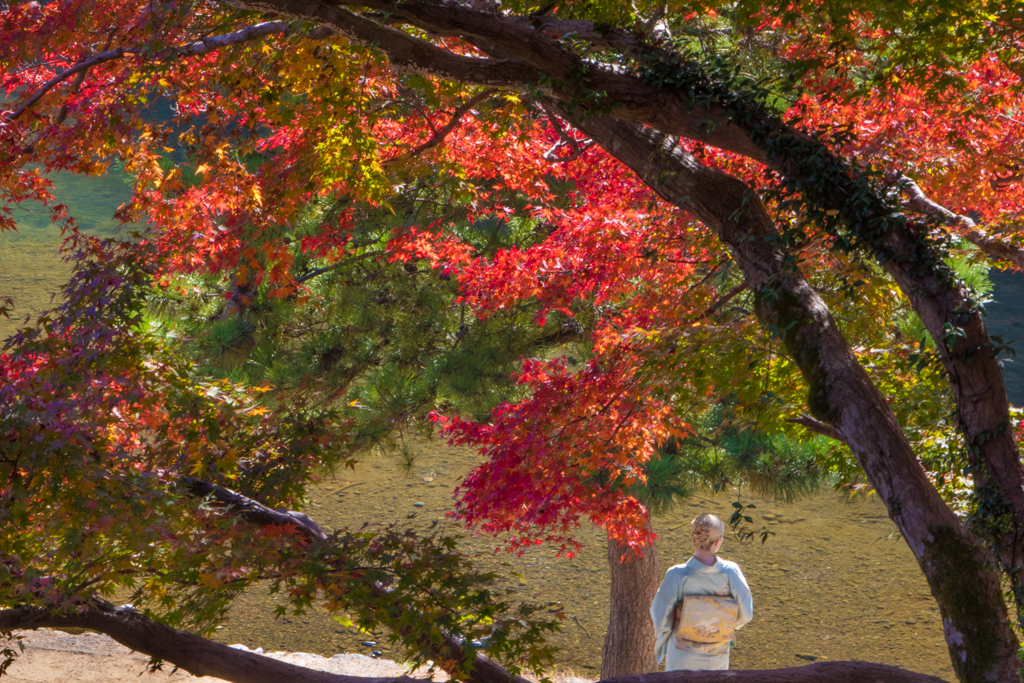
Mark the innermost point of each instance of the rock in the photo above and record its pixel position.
(258, 650)
(418, 505)
(376, 654)
(368, 643)
(239, 646)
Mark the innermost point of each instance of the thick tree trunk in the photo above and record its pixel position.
(982, 645)
(629, 642)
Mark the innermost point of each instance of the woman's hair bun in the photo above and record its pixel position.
(705, 529)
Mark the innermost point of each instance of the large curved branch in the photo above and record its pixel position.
(202, 657)
(747, 128)
(406, 53)
(523, 57)
(194, 654)
(841, 394)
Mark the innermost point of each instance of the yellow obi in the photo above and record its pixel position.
(706, 623)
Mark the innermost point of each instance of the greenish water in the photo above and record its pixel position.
(30, 269)
(833, 583)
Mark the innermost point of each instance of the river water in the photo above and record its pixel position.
(835, 582)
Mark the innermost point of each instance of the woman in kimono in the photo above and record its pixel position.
(703, 574)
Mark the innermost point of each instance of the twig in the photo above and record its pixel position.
(578, 146)
(439, 135)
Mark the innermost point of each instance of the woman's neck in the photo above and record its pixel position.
(705, 556)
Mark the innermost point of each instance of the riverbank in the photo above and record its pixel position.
(58, 657)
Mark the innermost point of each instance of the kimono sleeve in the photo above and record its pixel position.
(663, 611)
(741, 591)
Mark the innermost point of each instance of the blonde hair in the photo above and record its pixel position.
(705, 530)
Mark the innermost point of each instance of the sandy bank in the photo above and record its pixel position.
(58, 657)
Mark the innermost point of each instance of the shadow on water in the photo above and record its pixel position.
(832, 583)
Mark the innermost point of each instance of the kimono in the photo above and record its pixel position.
(723, 578)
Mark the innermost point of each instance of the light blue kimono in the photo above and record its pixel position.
(696, 578)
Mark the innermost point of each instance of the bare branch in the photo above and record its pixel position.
(997, 249)
(254, 511)
(439, 135)
(578, 147)
(724, 299)
(81, 66)
(195, 654)
(817, 426)
(244, 35)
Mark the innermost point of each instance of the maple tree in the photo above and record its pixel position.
(684, 193)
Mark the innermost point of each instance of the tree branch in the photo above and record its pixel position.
(196, 48)
(107, 56)
(817, 426)
(194, 654)
(202, 657)
(996, 249)
(439, 135)
(485, 670)
(254, 511)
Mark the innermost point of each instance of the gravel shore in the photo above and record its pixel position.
(58, 657)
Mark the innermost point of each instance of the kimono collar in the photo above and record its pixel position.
(696, 565)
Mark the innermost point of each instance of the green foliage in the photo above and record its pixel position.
(108, 429)
(970, 269)
(383, 341)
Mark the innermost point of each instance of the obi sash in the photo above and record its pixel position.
(706, 623)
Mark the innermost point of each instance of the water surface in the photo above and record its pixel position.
(835, 581)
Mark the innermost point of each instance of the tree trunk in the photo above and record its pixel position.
(629, 642)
